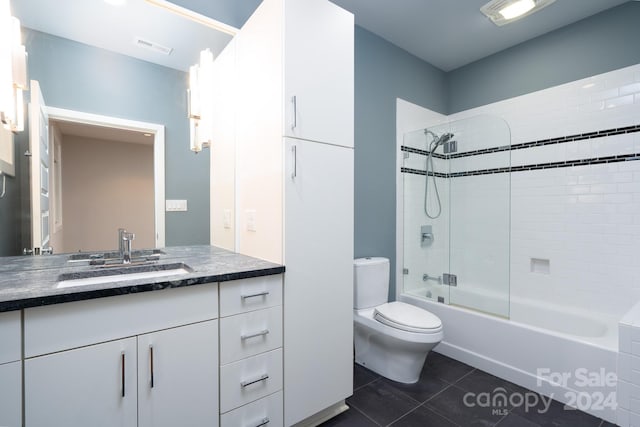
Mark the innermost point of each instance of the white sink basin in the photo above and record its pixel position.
(122, 274)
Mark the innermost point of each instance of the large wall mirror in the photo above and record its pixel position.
(111, 79)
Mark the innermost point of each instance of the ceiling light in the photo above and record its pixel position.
(502, 12)
(516, 9)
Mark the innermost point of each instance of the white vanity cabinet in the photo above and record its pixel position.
(251, 364)
(10, 370)
(92, 362)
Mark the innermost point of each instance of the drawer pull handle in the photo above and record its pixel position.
(264, 377)
(263, 422)
(259, 294)
(254, 335)
(122, 358)
(151, 354)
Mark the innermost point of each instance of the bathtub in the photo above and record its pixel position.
(563, 353)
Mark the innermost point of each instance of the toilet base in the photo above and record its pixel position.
(395, 359)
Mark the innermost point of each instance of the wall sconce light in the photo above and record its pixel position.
(13, 70)
(200, 100)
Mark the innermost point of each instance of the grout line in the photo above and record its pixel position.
(464, 376)
(364, 385)
(365, 415)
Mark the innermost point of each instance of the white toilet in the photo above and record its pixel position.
(391, 338)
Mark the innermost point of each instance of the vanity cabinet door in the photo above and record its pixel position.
(89, 386)
(11, 394)
(178, 376)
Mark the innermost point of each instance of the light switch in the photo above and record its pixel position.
(251, 219)
(176, 205)
(227, 218)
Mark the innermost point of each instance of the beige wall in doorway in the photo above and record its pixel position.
(106, 185)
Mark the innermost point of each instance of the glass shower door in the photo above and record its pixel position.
(479, 237)
(457, 214)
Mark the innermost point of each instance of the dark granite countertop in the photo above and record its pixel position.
(31, 281)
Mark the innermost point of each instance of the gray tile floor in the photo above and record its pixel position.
(438, 400)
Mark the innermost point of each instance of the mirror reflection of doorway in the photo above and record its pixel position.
(102, 180)
(91, 175)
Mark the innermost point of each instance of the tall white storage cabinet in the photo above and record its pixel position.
(294, 187)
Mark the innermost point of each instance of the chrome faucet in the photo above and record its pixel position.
(127, 239)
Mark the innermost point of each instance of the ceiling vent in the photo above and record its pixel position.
(502, 12)
(146, 44)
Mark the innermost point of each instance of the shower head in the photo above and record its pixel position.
(443, 139)
(438, 140)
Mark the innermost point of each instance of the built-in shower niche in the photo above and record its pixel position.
(456, 180)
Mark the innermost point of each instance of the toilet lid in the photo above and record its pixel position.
(407, 317)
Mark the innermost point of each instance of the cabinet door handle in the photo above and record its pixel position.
(294, 153)
(254, 335)
(122, 357)
(259, 294)
(263, 422)
(294, 101)
(151, 362)
(263, 377)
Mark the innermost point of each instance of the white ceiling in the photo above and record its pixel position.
(446, 33)
(453, 33)
(103, 133)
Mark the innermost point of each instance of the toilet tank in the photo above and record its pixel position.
(370, 282)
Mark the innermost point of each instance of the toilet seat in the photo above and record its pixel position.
(407, 318)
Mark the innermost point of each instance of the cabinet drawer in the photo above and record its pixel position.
(250, 379)
(10, 336)
(264, 412)
(240, 296)
(248, 334)
(76, 324)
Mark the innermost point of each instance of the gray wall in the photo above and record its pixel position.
(230, 12)
(10, 217)
(595, 45)
(383, 72)
(79, 77)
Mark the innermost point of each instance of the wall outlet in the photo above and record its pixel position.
(176, 205)
(251, 219)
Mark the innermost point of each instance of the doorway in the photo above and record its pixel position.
(106, 173)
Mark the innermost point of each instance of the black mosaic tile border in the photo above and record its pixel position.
(422, 152)
(421, 172)
(524, 145)
(551, 165)
(540, 143)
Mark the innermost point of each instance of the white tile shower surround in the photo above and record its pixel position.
(584, 219)
(628, 394)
